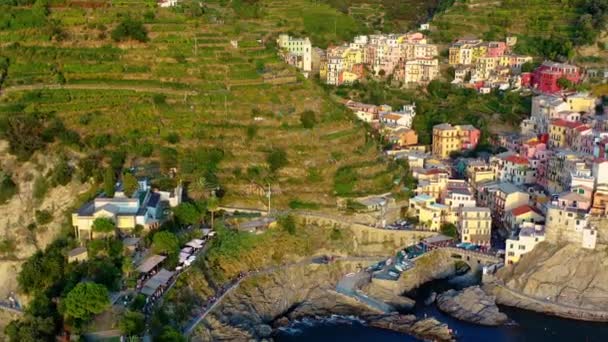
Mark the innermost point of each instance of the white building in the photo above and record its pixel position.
(297, 47)
(529, 236)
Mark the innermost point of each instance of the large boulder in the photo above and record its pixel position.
(471, 305)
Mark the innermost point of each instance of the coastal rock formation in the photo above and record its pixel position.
(564, 280)
(437, 264)
(299, 292)
(471, 305)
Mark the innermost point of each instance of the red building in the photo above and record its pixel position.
(496, 49)
(546, 76)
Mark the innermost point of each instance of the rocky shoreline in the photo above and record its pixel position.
(266, 303)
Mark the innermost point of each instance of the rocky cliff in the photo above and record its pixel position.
(564, 280)
(276, 299)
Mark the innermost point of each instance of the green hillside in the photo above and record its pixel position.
(549, 28)
(187, 97)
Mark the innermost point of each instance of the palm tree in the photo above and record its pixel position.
(212, 206)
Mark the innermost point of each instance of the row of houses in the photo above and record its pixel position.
(407, 57)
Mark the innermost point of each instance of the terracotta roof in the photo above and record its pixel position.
(392, 117)
(565, 123)
(525, 209)
(517, 160)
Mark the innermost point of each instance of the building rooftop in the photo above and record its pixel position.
(475, 209)
(515, 159)
(524, 209)
(77, 251)
(508, 188)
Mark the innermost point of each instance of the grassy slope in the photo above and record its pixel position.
(229, 90)
(532, 18)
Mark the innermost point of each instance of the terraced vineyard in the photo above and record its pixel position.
(214, 81)
(494, 19)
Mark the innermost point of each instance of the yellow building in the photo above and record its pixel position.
(524, 213)
(352, 56)
(580, 102)
(431, 182)
(529, 236)
(349, 77)
(558, 129)
(431, 215)
(475, 225)
(448, 139)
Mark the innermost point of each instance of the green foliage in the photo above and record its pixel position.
(449, 229)
(187, 213)
(277, 159)
(62, 173)
(308, 119)
(325, 26)
(288, 223)
(168, 158)
(42, 270)
(8, 188)
(298, 204)
(43, 217)
(229, 243)
(336, 234)
(252, 130)
(565, 83)
(103, 225)
(247, 9)
(129, 184)
(31, 328)
(344, 180)
(165, 242)
(172, 138)
(41, 187)
(8, 247)
(85, 301)
(170, 335)
(132, 323)
(109, 182)
(129, 28)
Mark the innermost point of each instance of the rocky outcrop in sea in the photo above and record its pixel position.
(471, 305)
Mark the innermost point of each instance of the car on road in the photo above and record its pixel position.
(350, 274)
(393, 274)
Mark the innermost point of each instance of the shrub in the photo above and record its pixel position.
(109, 182)
(308, 119)
(277, 159)
(86, 300)
(43, 217)
(41, 187)
(288, 223)
(129, 184)
(8, 188)
(130, 29)
(62, 173)
(103, 225)
(172, 138)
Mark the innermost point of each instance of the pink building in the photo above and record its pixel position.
(574, 200)
(496, 49)
(546, 76)
(531, 148)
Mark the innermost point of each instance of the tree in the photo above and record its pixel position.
(132, 323)
(127, 266)
(8, 188)
(85, 301)
(129, 184)
(449, 229)
(565, 83)
(308, 119)
(277, 159)
(41, 187)
(170, 335)
(31, 328)
(252, 130)
(109, 182)
(212, 206)
(62, 173)
(528, 67)
(43, 217)
(165, 242)
(103, 225)
(288, 223)
(187, 213)
(130, 29)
